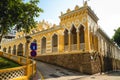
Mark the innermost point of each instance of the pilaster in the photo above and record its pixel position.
(69, 43)
(61, 43)
(78, 40)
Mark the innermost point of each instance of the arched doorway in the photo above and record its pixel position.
(66, 40)
(43, 45)
(14, 49)
(73, 38)
(82, 37)
(20, 50)
(54, 43)
(9, 49)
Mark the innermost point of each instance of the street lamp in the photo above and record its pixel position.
(28, 39)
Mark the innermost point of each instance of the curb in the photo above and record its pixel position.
(40, 74)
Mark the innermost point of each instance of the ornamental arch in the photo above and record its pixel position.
(4, 49)
(66, 38)
(9, 49)
(81, 30)
(43, 45)
(14, 50)
(20, 50)
(73, 37)
(55, 43)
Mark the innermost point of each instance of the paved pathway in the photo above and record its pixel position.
(52, 72)
(105, 76)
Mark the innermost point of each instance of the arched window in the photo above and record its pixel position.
(73, 35)
(14, 49)
(82, 37)
(9, 49)
(43, 45)
(73, 38)
(20, 50)
(66, 40)
(66, 37)
(54, 43)
(4, 49)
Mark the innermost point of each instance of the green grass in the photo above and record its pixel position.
(6, 63)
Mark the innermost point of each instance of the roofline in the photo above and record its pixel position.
(71, 12)
(92, 14)
(104, 34)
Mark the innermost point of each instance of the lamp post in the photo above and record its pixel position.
(28, 39)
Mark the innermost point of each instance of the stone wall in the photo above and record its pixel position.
(116, 64)
(80, 62)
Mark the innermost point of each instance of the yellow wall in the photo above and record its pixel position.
(76, 17)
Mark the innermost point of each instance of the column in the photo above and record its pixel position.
(11, 49)
(23, 49)
(86, 39)
(61, 43)
(69, 43)
(16, 50)
(78, 40)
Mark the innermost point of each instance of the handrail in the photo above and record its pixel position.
(11, 69)
(25, 68)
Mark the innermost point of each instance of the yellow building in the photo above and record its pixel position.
(76, 43)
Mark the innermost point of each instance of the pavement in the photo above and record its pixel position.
(51, 72)
(114, 75)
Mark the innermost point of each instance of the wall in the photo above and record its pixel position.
(81, 62)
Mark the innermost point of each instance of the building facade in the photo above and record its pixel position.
(77, 43)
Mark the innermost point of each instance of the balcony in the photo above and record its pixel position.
(74, 47)
(82, 46)
(54, 49)
(66, 48)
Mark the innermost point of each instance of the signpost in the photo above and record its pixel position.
(33, 48)
(33, 53)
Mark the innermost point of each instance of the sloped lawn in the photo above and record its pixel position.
(6, 63)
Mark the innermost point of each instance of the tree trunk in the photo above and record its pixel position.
(2, 33)
(1, 37)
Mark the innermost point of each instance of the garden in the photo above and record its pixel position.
(6, 63)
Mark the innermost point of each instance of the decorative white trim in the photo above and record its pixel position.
(77, 30)
(72, 26)
(43, 36)
(58, 41)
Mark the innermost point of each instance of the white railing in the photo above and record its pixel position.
(66, 48)
(82, 46)
(74, 46)
(54, 49)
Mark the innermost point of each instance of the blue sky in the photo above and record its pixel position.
(108, 12)
(53, 8)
